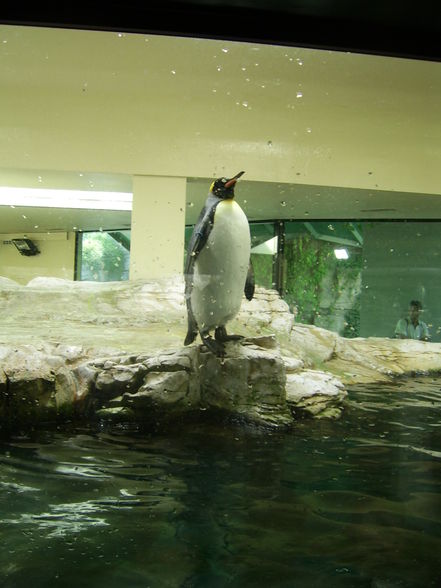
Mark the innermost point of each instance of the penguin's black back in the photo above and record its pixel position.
(201, 232)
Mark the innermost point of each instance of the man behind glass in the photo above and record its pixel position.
(412, 327)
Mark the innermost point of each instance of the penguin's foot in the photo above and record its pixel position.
(220, 335)
(214, 346)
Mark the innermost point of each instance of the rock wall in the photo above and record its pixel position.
(46, 383)
(114, 351)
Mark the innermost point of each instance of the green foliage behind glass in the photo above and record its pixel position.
(324, 291)
(103, 258)
(306, 261)
(263, 270)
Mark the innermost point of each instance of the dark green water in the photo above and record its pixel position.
(354, 502)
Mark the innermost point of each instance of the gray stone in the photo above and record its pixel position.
(85, 376)
(312, 344)
(114, 350)
(115, 379)
(116, 413)
(4, 397)
(66, 389)
(170, 361)
(314, 393)
(249, 382)
(292, 364)
(31, 393)
(171, 392)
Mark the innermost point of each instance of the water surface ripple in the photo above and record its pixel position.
(348, 503)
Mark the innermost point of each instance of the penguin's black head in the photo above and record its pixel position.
(224, 188)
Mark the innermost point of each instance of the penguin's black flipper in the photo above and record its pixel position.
(201, 231)
(250, 284)
(198, 239)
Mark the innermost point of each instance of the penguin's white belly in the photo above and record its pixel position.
(221, 268)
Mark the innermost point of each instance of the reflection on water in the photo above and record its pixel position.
(354, 502)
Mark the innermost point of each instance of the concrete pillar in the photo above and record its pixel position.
(158, 223)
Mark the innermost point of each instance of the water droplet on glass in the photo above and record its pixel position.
(219, 68)
(245, 104)
(283, 203)
(331, 227)
(173, 72)
(190, 204)
(225, 50)
(299, 94)
(309, 130)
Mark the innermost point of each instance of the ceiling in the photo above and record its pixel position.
(20, 219)
(266, 200)
(348, 136)
(259, 200)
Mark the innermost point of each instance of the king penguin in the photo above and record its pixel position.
(218, 269)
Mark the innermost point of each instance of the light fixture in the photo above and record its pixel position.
(88, 199)
(341, 253)
(26, 247)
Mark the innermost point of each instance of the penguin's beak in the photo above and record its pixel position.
(231, 182)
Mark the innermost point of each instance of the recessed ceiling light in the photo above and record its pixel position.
(49, 198)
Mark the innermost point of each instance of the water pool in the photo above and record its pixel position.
(348, 503)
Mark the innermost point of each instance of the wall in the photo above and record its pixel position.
(56, 257)
(402, 261)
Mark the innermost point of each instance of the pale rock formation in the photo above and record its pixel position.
(314, 393)
(114, 351)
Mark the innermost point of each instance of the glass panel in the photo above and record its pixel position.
(358, 278)
(401, 262)
(135, 127)
(321, 288)
(263, 253)
(103, 256)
